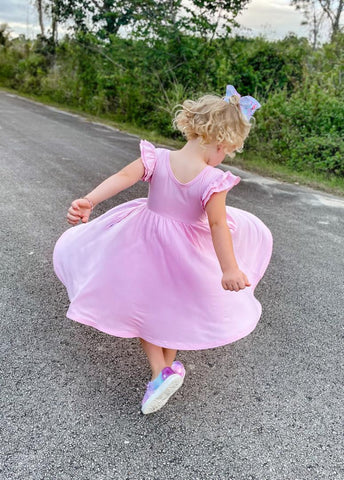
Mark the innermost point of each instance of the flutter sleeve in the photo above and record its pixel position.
(148, 156)
(224, 181)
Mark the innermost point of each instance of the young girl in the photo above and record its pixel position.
(177, 269)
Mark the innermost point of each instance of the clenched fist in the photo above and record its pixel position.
(80, 209)
(234, 279)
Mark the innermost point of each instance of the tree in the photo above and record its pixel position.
(47, 8)
(332, 9)
(151, 17)
(39, 6)
(314, 18)
(5, 33)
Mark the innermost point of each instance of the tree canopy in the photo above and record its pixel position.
(150, 17)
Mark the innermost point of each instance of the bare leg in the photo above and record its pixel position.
(155, 356)
(169, 355)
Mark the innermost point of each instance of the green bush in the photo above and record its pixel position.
(299, 125)
(305, 129)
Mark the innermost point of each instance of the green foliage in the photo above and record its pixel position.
(304, 129)
(261, 67)
(150, 18)
(140, 81)
(4, 34)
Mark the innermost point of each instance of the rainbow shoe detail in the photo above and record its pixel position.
(160, 390)
(178, 367)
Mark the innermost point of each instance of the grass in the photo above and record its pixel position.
(248, 160)
(253, 163)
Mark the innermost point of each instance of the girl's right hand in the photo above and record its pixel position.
(234, 279)
(80, 209)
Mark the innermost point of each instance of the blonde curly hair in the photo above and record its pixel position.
(213, 120)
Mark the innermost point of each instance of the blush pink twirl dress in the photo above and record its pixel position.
(148, 268)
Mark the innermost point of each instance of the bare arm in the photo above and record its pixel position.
(233, 278)
(125, 178)
(121, 180)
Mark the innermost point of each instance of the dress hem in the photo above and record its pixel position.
(159, 343)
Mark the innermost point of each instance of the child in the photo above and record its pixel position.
(177, 269)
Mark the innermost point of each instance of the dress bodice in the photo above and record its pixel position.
(169, 197)
(184, 202)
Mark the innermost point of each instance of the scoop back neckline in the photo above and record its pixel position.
(176, 179)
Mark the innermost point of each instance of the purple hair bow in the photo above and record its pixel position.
(248, 105)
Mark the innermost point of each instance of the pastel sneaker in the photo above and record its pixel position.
(178, 367)
(160, 390)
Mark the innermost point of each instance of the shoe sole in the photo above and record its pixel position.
(159, 399)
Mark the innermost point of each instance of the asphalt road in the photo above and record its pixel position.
(267, 407)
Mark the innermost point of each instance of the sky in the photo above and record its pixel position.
(273, 19)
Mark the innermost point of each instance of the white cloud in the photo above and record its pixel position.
(21, 17)
(17, 11)
(275, 19)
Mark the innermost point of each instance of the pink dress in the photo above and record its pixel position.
(147, 268)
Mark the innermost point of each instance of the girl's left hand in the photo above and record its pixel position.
(80, 209)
